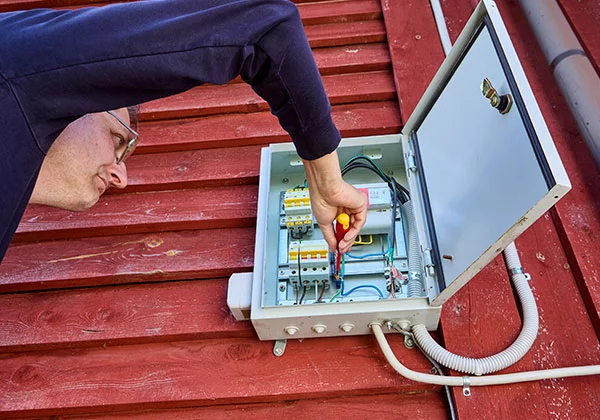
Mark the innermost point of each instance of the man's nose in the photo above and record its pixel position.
(117, 175)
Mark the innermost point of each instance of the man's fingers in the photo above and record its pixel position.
(329, 236)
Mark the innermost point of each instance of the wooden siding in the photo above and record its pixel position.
(120, 312)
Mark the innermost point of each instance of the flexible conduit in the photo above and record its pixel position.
(489, 364)
(415, 285)
(505, 358)
(507, 378)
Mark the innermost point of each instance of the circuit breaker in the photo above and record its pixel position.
(473, 167)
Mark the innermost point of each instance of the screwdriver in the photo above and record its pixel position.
(342, 225)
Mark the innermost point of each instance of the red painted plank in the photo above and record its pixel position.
(336, 34)
(240, 98)
(127, 259)
(584, 16)
(339, 11)
(542, 255)
(415, 49)
(482, 320)
(352, 58)
(578, 214)
(259, 128)
(173, 311)
(116, 214)
(10, 5)
(427, 405)
(192, 169)
(314, 12)
(197, 373)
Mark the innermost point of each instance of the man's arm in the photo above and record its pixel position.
(62, 64)
(58, 65)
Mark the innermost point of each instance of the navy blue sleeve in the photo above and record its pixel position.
(70, 63)
(56, 66)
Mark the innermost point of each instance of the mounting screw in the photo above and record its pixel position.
(285, 181)
(281, 288)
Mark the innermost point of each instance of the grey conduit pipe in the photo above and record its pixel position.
(572, 69)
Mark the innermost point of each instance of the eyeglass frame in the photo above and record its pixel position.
(131, 144)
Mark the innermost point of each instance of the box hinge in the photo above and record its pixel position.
(428, 262)
(411, 162)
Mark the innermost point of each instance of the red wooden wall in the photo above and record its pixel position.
(120, 312)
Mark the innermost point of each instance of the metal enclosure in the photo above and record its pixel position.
(477, 179)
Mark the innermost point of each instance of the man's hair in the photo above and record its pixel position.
(133, 116)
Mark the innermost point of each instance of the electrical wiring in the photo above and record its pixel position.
(322, 292)
(363, 286)
(359, 162)
(435, 364)
(300, 234)
(303, 295)
(394, 209)
(361, 257)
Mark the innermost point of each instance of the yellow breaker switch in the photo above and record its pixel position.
(298, 216)
(309, 262)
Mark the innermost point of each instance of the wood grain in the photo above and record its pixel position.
(426, 405)
(415, 49)
(192, 169)
(352, 58)
(259, 128)
(116, 315)
(577, 216)
(197, 373)
(240, 98)
(153, 257)
(584, 17)
(560, 303)
(204, 208)
(336, 34)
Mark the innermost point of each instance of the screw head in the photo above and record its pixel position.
(285, 181)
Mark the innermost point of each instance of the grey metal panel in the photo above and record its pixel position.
(481, 172)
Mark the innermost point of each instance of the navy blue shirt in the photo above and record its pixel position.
(56, 66)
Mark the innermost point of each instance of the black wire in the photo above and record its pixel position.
(303, 294)
(402, 193)
(300, 233)
(437, 367)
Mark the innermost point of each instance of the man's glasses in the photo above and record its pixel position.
(124, 150)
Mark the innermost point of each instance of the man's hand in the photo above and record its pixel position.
(330, 195)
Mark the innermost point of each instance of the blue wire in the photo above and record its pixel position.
(360, 257)
(364, 286)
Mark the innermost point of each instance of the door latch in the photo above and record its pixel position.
(502, 103)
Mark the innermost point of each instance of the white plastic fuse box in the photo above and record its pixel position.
(479, 167)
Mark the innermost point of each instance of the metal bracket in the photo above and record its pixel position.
(411, 162)
(408, 341)
(279, 347)
(466, 386)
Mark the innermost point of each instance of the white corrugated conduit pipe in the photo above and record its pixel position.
(415, 284)
(507, 378)
(488, 364)
(506, 358)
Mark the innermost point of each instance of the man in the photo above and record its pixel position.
(61, 70)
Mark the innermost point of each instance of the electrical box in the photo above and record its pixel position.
(473, 167)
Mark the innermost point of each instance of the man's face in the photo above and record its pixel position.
(81, 164)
